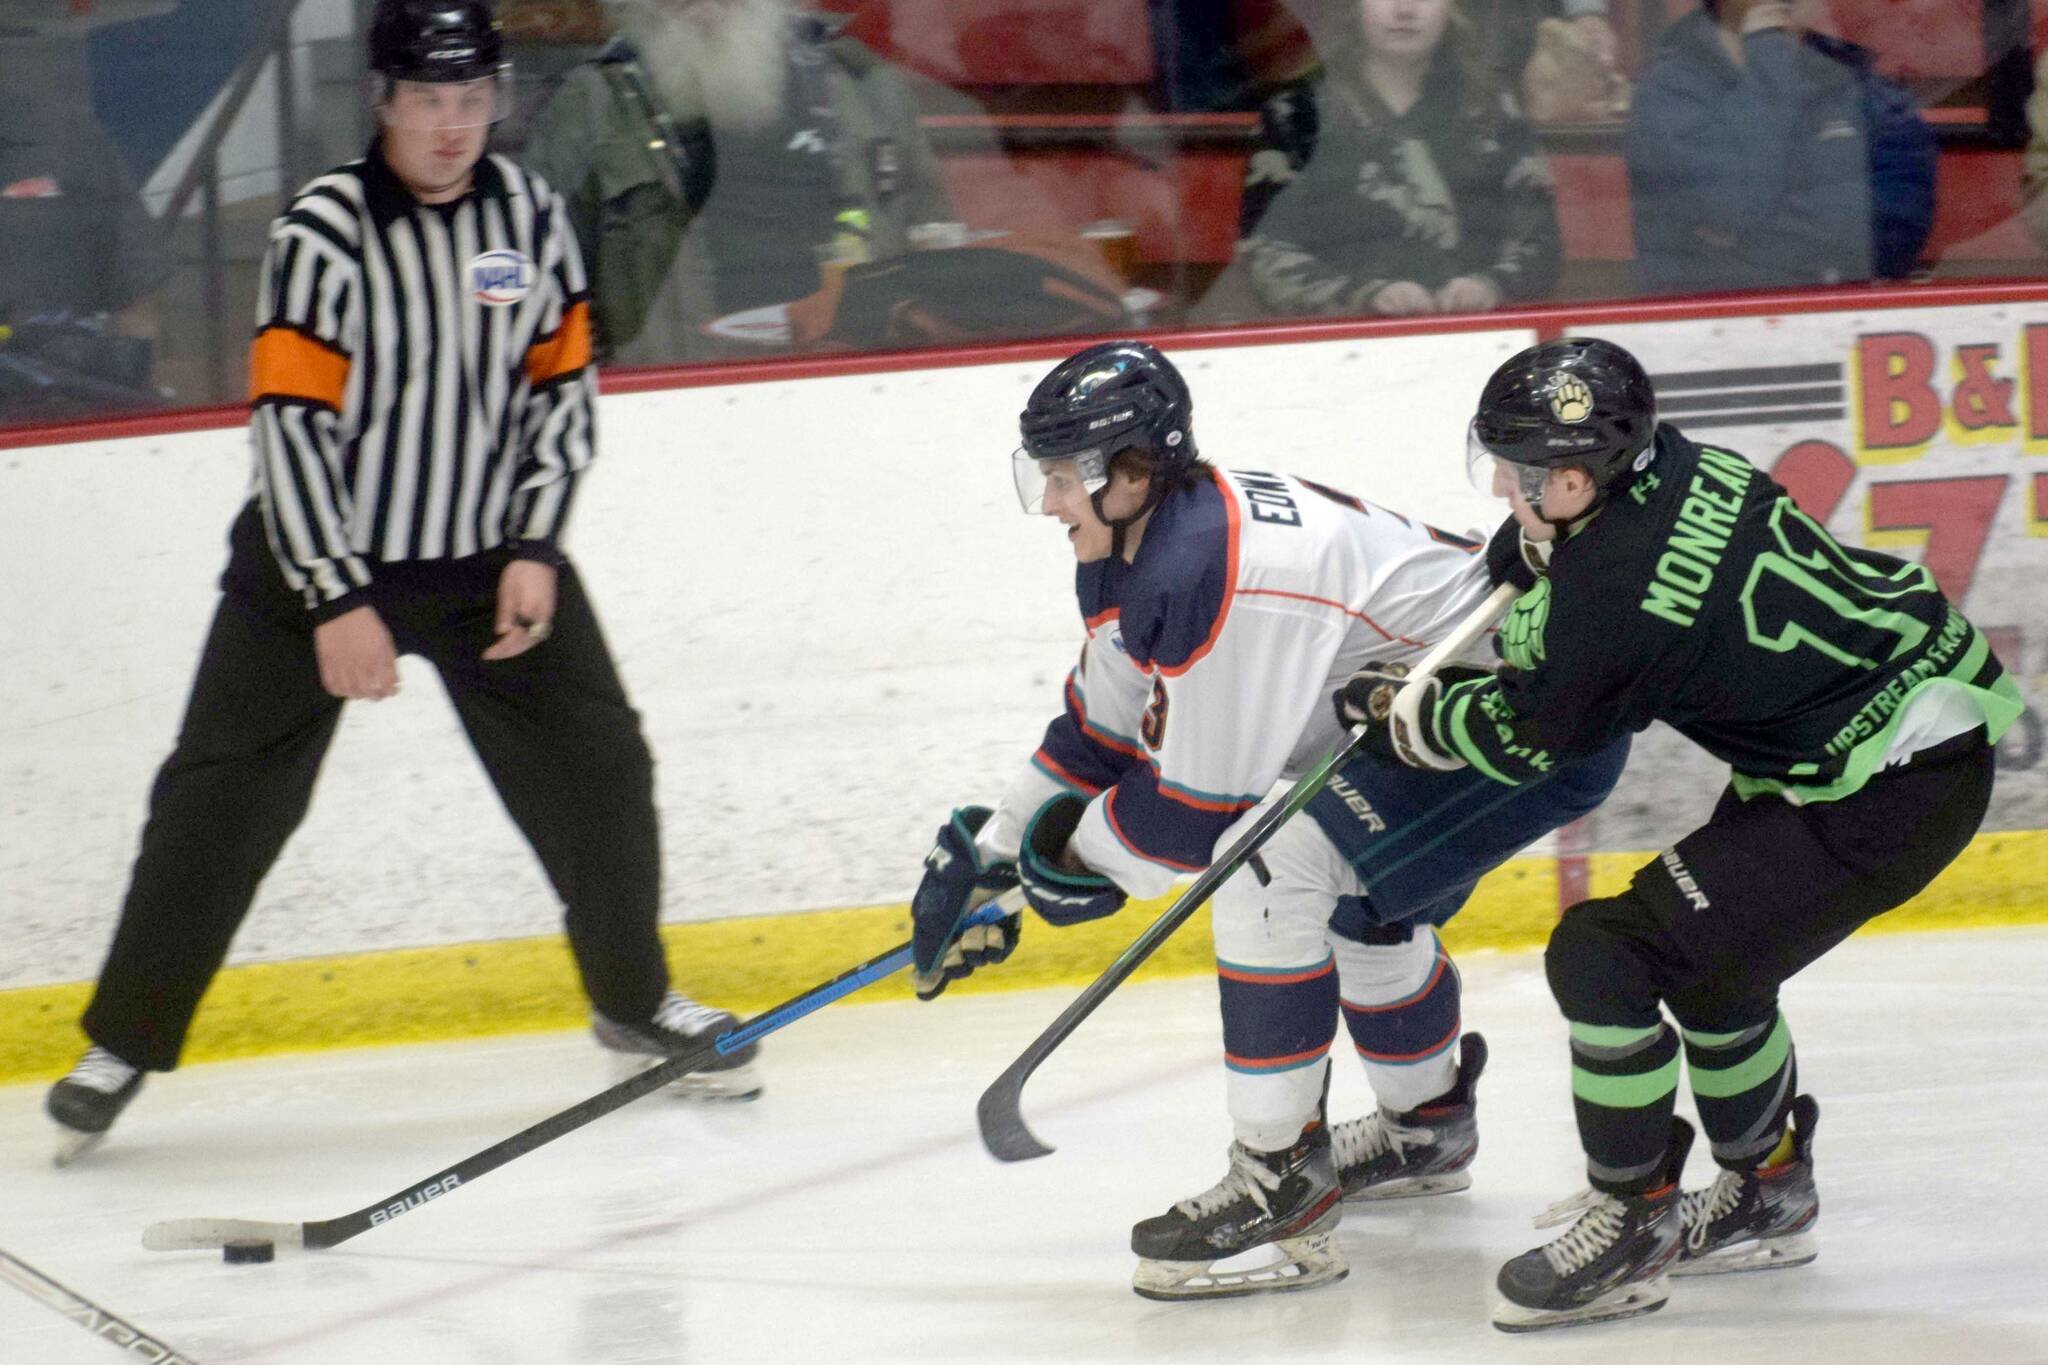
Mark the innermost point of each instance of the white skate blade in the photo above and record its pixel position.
(736, 1084)
(1769, 1253)
(1301, 1263)
(72, 1145)
(1629, 1301)
(1415, 1187)
(211, 1234)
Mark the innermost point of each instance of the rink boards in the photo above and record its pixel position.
(837, 625)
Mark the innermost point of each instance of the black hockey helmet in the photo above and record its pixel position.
(436, 42)
(1575, 401)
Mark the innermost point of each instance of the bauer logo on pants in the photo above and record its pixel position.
(1681, 876)
(501, 278)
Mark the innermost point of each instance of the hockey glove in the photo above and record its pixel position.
(1370, 698)
(1062, 897)
(955, 883)
(1511, 557)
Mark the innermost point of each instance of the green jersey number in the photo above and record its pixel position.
(1812, 592)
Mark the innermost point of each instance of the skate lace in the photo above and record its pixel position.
(101, 1070)
(1361, 1140)
(1248, 1178)
(1701, 1209)
(680, 1014)
(1600, 1219)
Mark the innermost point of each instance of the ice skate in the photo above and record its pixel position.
(678, 1025)
(1612, 1264)
(1276, 1210)
(1427, 1150)
(1759, 1219)
(88, 1100)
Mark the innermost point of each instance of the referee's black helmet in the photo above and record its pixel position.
(436, 42)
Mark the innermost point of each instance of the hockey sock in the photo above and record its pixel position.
(1401, 1004)
(1278, 1023)
(1782, 1153)
(1743, 1082)
(1624, 1087)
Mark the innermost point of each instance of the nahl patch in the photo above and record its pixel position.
(1358, 805)
(500, 279)
(1688, 886)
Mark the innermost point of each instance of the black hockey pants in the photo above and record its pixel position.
(1712, 928)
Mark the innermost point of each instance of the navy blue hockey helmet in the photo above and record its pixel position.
(1576, 401)
(1112, 397)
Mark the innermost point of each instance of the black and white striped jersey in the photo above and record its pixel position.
(420, 384)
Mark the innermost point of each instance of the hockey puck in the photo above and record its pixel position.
(248, 1253)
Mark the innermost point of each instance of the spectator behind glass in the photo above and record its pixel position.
(76, 245)
(1761, 155)
(715, 153)
(2034, 213)
(1423, 190)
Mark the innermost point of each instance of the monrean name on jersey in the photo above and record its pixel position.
(1686, 568)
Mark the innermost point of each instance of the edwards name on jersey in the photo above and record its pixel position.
(1211, 657)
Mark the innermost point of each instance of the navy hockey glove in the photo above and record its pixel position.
(1511, 557)
(1367, 698)
(1059, 896)
(955, 883)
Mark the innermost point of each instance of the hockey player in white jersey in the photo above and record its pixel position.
(1223, 609)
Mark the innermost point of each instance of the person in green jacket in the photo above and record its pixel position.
(716, 153)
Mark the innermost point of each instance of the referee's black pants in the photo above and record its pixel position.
(553, 727)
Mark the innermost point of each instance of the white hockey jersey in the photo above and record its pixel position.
(1210, 661)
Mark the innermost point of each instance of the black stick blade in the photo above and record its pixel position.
(1001, 1114)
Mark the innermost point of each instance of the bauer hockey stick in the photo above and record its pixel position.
(1001, 1108)
(245, 1235)
(124, 1337)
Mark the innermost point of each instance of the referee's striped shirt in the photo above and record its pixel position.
(420, 383)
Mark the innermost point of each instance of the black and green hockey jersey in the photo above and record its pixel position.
(1700, 595)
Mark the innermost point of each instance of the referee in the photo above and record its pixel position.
(421, 408)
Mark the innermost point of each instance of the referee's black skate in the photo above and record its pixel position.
(1426, 1150)
(1280, 1208)
(1759, 1219)
(678, 1025)
(1613, 1263)
(88, 1100)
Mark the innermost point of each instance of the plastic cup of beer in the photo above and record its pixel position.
(1118, 243)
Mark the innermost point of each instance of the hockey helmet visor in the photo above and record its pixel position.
(1083, 471)
(1486, 470)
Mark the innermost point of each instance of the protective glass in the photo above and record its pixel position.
(1086, 473)
(434, 107)
(1480, 464)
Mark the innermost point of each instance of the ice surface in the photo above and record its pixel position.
(851, 1215)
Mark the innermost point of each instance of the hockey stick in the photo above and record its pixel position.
(197, 1234)
(1001, 1107)
(125, 1337)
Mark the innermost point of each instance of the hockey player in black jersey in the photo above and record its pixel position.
(1856, 708)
